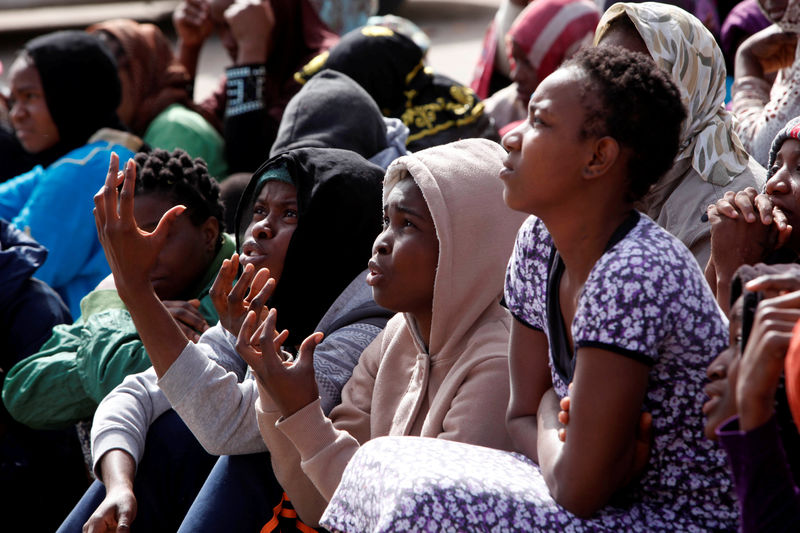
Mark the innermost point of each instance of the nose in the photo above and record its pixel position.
(382, 244)
(778, 183)
(263, 229)
(511, 140)
(718, 369)
(17, 111)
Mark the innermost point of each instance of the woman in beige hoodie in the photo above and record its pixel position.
(440, 368)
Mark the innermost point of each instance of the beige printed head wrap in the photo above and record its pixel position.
(682, 46)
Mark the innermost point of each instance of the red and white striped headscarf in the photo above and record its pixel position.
(549, 31)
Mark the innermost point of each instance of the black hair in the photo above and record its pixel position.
(629, 98)
(185, 180)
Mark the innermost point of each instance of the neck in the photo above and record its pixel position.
(581, 241)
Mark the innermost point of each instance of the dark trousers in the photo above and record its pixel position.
(170, 474)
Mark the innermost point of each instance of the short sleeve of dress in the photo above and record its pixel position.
(643, 295)
(526, 275)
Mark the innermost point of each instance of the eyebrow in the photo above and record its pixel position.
(405, 209)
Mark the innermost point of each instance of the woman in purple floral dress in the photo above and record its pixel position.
(605, 300)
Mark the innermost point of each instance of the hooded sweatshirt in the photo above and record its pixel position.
(333, 111)
(457, 389)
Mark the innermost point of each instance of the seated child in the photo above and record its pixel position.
(66, 91)
(748, 227)
(300, 210)
(604, 299)
(747, 410)
(439, 369)
(80, 363)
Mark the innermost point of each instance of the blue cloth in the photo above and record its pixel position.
(28, 308)
(238, 495)
(54, 205)
(172, 470)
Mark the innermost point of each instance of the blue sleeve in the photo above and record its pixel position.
(14, 193)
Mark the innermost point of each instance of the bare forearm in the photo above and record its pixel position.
(162, 337)
(523, 432)
(118, 469)
(189, 57)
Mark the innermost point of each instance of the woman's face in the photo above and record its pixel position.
(783, 188)
(523, 73)
(127, 105)
(547, 151)
(271, 228)
(722, 373)
(29, 114)
(187, 253)
(405, 255)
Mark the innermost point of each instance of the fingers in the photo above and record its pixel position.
(166, 221)
(244, 346)
(305, 355)
(744, 202)
(126, 195)
(236, 296)
(259, 300)
(187, 314)
(105, 200)
(223, 283)
(786, 281)
(763, 204)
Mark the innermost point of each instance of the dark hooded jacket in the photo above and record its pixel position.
(389, 66)
(339, 216)
(28, 307)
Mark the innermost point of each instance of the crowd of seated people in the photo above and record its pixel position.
(347, 292)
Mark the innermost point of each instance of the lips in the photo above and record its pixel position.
(714, 391)
(252, 253)
(375, 275)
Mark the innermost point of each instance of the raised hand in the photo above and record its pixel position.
(251, 291)
(291, 385)
(251, 23)
(762, 363)
(131, 252)
(192, 22)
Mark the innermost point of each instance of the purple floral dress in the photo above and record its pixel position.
(645, 298)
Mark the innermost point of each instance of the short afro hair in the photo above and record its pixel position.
(629, 98)
(184, 180)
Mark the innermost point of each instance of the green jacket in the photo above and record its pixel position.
(81, 363)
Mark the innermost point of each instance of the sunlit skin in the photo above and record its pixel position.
(29, 113)
(270, 230)
(544, 146)
(523, 73)
(405, 255)
(783, 188)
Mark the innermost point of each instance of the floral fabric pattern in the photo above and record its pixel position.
(645, 298)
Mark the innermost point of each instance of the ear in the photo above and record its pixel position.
(210, 231)
(605, 155)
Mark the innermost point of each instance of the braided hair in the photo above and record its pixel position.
(185, 180)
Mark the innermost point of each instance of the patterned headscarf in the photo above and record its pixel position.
(790, 20)
(790, 131)
(548, 31)
(683, 47)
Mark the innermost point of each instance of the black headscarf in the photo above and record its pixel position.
(435, 108)
(339, 216)
(81, 87)
(332, 110)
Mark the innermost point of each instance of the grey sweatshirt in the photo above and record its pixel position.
(211, 389)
